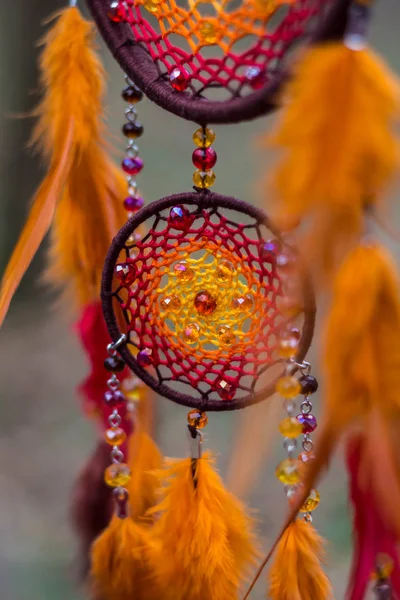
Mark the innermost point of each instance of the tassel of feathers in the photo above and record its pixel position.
(296, 573)
(82, 189)
(206, 544)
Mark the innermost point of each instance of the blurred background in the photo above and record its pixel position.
(43, 437)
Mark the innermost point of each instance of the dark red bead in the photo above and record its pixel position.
(180, 218)
(145, 357)
(179, 79)
(309, 422)
(309, 385)
(256, 77)
(132, 130)
(117, 12)
(204, 158)
(114, 399)
(225, 388)
(131, 94)
(132, 166)
(295, 333)
(114, 364)
(270, 250)
(133, 203)
(125, 272)
(205, 303)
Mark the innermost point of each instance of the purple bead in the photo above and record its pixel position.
(114, 399)
(132, 166)
(133, 203)
(309, 422)
(145, 357)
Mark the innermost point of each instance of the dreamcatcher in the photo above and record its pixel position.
(206, 301)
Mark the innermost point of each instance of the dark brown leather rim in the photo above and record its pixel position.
(138, 65)
(206, 200)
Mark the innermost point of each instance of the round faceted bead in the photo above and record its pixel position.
(125, 272)
(183, 271)
(145, 357)
(383, 566)
(312, 501)
(204, 158)
(308, 422)
(117, 12)
(114, 399)
(133, 203)
(197, 419)
(225, 388)
(209, 32)
(203, 137)
(288, 346)
(226, 335)
(171, 303)
(270, 250)
(180, 218)
(117, 475)
(305, 457)
(288, 386)
(152, 6)
(205, 303)
(131, 94)
(114, 364)
(132, 166)
(132, 130)
(225, 271)
(243, 303)
(191, 333)
(309, 385)
(255, 77)
(203, 179)
(288, 472)
(179, 79)
(115, 437)
(290, 427)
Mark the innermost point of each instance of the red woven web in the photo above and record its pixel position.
(255, 33)
(211, 240)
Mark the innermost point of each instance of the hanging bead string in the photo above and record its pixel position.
(383, 570)
(132, 164)
(204, 158)
(197, 420)
(118, 474)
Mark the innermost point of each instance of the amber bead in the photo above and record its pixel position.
(171, 303)
(114, 364)
(183, 271)
(224, 272)
(309, 385)
(312, 501)
(288, 346)
(288, 472)
(191, 333)
(226, 335)
(290, 427)
(131, 94)
(152, 6)
(209, 32)
(203, 138)
(243, 303)
(115, 437)
(197, 418)
(117, 475)
(383, 567)
(288, 386)
(203, 179)
(132, 130)
(205, 303)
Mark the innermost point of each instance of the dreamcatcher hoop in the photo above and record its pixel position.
(205, 200)
(137, 63)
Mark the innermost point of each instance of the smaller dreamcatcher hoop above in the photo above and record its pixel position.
(199, 301)
(213, 61)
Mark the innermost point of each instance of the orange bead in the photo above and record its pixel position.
(290, 427)
(288, 346)
(312, 502)
(115, 437)
(288, 387)
(117, 475)
(197, 419)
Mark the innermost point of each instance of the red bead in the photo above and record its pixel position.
(114, 399)
(204, 303)
(180, 218)
(255, 77)
(125, 272)
(309, 422)
(132, 166)
(117, 12)
(225, 388)
(145, 357)
(179, 79)
(204, 158)
(133, 203)
(269, 250)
